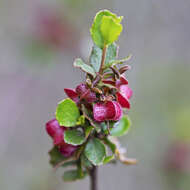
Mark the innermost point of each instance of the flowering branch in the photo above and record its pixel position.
(88, 122)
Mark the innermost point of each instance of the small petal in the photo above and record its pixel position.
(72, 94)
(111, 110)
(121, 81)
(58, 138)
(81, 89)
(90, 97)
(55, 131)
(126, 91)
(52, 126)
(114, 111)
(109, 82)
(85, 93)
(123, 101)
(100, 112)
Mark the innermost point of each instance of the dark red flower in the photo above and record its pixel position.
(57, 133)
(111, 110)
(72, 94)
(82, 92)
(124, 92)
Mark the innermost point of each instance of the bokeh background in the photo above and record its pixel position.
(39, 40)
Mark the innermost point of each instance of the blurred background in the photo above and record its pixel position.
(39, 40)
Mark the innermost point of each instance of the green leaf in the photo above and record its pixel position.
(84, 67)
(121, 127)
(88, 130)
(56, 157)
(85, 161)
(108, 159)
(115, 62)
(72, 175)
(111, 54)
(95, 151)
(81, 120)
(67, 113)
(96, 31)
(74, 137)
(110, 144)
(110, 29)
(96, 56)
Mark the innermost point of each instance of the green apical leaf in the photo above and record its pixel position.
(72, 175)
(67, 113)
(95, 151)
(74, 137)
(121, 127)
(96, 56)
(110, 29)
(100, 27)
(84, 67)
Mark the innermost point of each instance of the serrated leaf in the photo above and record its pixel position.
(67, 113)
(95, 151)
(110, 29)
(84, 67)
(121, 127)
(74, 137)
(95, 30)
(108, 159)
(96, 56)
(72, 175)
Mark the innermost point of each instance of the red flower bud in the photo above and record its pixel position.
(67, 149)
(55, 131)
(85, 93)
(72, 94)
(110, 110)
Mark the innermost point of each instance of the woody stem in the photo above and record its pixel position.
(93, 178)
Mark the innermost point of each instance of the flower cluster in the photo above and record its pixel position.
(88, 122)
(56, 132)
